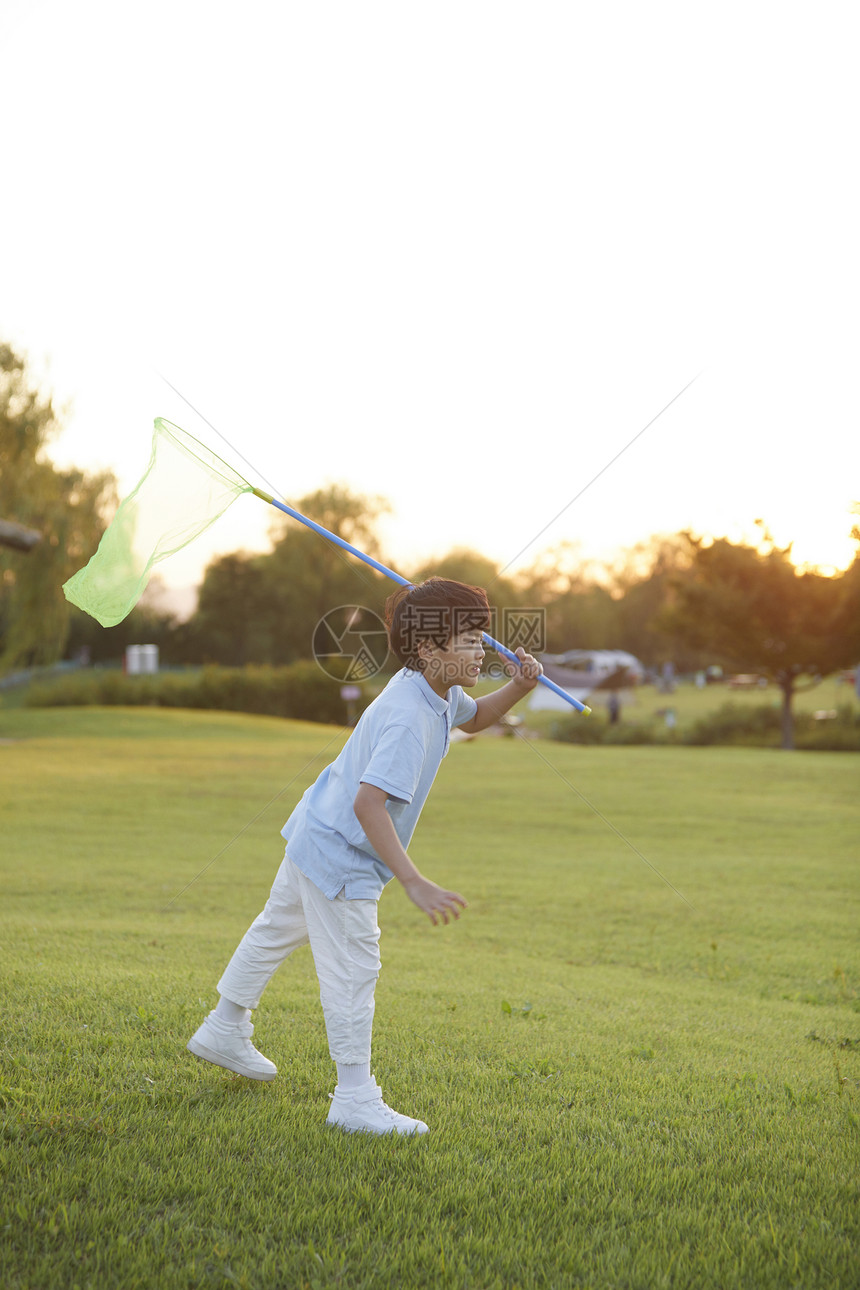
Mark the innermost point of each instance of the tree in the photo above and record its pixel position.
(64, 506)
(461, 564)
(754, 611)
(848, 618)
(265, 608)
(232, 621)
(643, 586)
(146, 623)
(575, 597)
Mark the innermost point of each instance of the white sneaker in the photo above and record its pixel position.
(231, 1047)
(362, 1110)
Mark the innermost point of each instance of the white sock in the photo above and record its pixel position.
(352, 1077)
(232, 1014)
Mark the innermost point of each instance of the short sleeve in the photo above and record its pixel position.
(395, 763)
(463, 706)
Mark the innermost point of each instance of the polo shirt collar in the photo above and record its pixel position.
(437, 703)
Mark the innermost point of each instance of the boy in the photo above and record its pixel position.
(347, 838)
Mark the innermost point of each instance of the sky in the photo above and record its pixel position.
(536, 274)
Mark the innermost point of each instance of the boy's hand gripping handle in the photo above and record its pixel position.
(542, 680)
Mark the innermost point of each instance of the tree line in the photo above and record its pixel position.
(674, 598)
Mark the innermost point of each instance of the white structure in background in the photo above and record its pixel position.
(582, 671)
(141, 660)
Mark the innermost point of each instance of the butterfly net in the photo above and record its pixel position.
(186, 488)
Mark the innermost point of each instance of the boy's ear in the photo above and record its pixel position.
(425, 650)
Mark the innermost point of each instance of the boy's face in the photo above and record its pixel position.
(457, 663)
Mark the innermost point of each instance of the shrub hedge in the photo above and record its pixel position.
(298, 690)
(304, 692)
(759, 727)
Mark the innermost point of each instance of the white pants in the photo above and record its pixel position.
(344, 940)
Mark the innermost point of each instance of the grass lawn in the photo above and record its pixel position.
(624, 1089)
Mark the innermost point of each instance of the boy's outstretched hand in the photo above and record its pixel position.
(435, 902)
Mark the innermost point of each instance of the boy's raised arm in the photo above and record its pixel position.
(493, 706)
(436, 903)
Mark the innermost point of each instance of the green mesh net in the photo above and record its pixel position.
(185, 489)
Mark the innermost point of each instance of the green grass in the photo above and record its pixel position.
(623, 1091)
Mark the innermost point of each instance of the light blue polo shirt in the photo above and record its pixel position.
(397, 745)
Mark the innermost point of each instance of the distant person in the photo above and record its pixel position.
(614, 707)
(347, 838)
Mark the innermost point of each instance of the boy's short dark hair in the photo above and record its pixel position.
(433, 611)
